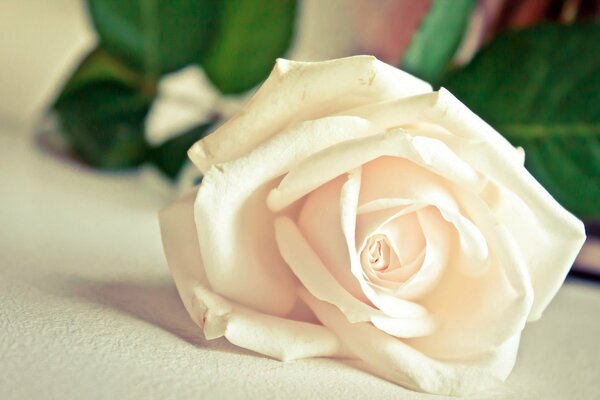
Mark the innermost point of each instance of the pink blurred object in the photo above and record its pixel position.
(385, 30)
(341, 28)
(587, 264)
(492, 16)
(526, 13)
(588, 260)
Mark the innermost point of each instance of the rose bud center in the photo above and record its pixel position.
(377, 253)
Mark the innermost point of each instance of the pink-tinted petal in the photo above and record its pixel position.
(315, 277)
(297, 91)
(548, 236)
(325, 165)
(281, 338)
(235, 226)
(397, 361)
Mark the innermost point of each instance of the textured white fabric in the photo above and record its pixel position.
(88, 308)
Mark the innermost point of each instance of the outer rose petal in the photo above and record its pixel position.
(297, 91)
(479, 313)
(477, 324)
(235, 228)
(333, 161)
(281, 338)
(319, 221)
(467, 330)
(396, 361)
(548, 235)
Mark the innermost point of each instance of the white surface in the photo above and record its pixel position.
(40, 43)
(88, 309)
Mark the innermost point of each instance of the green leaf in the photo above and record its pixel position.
(104, 123)
(252, 34)
(102, 110)
(103, 106)
(170, 156)
(540, 88)
(156, 36)
(99, 65)
(437, 39)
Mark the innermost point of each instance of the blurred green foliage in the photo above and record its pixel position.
(437, 39)
(104, 123)
(156, 36)
(103, 106)
(540, 88)
(238, 60)
(171, 155)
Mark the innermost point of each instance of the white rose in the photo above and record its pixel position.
(349, 211)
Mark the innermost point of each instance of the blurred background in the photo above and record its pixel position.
(128, 86)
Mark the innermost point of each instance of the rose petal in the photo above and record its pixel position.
(390, 305)
(479, 312)
(333, 161)
(385, 203)
(472, 249)
(398, 272)
(319, 221)
(297, 91)
(429, 115)
(551, 237)
(419, 187)
(316, 278)
(237, 240)
(399, 180)
(557, 237)
(280, 338)
(418, 280)
(489, 322)
(406, 235)
(390, 279)
(472, 245)
(545, 245)
(437, 237)
(398, 362)
(235, 228)
(399, 224)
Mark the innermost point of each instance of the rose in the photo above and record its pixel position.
(349, 211)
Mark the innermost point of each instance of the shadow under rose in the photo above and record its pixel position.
(157, 303)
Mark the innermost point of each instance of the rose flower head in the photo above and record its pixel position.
(350, 211)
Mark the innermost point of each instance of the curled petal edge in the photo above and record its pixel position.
(394, 360)
(277, 337)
